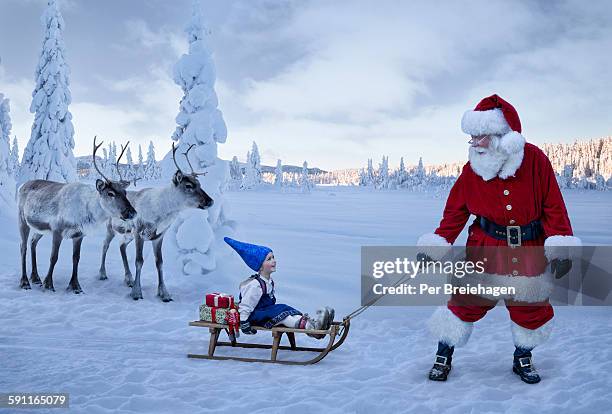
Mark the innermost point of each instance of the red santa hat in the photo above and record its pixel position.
(495, 116)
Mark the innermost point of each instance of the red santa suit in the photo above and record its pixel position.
(513, 184)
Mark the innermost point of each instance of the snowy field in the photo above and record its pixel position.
(113, 354)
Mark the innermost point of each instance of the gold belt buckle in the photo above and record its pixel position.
(509, 236)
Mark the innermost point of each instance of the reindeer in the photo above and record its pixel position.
(67, 211)
(157, 209)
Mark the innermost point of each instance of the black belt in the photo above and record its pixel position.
(514, 235)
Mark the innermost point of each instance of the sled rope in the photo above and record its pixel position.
(363, 308)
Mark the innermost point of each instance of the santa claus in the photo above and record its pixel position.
(510, 186)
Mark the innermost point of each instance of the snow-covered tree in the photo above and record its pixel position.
(7, 183)
(193, 236)
(383, 173)
(151, 169)
(401, 174)
(15, 159)
(278, 180)
(252, 170)
(48, 154)
(368, 177)
(140, 168)
(111, 162)
(305, 183)
(235, 171)
(256, 163)
(129, 173)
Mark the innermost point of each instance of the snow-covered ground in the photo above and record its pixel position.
(113, 354)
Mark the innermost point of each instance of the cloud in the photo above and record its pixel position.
(139, 31)
(144, 109)
(395, 77)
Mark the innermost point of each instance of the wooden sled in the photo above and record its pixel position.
(337, 330)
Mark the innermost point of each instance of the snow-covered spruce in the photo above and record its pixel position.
(48, 154)
(305, 183)
(252, 171)
(151, 168)
(7, 182)
(193, 237)
(14, 162)
(278, 180)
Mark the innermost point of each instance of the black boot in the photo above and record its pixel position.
(442, 366)
(523, 366)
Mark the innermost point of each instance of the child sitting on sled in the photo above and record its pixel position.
(258, 305)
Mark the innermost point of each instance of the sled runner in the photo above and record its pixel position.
(337, 333)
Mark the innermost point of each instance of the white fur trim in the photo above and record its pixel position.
(512, 164)
(530, 338)
(558, 247)
(527, 288)
(512, 142)
(434, 245)
(491, 122)
(446, 327)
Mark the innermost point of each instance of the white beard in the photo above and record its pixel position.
(503, 157)
(487, 162)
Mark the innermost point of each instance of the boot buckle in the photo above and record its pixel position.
(441, 360)
(526, 364)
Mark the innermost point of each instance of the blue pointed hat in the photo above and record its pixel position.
(252, 254)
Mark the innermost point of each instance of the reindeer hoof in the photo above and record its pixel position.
(75, 289)
(136, 295)
(48, 285)
(129, 282)
(35, 279)
(25, 285)
(103, 277)
(166, 299)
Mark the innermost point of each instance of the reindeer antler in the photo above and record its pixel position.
(174, 159)
(123, 148)
(186, 154)
(95, 148)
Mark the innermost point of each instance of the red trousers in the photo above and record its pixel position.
(470, 308)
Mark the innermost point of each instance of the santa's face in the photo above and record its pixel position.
(487, 159)
(480, 143)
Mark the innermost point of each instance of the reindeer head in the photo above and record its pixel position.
(189, 185)
(113, 197)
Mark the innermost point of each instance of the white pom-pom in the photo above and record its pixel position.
(512, 142)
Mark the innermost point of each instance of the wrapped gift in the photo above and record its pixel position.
(219, 300)
(213, 314)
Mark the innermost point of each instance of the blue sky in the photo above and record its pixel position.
(333, 83)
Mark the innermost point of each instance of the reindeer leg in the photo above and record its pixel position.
(24, 231)
(159, 263)
(76, 255)
(33, 242)
(57, 241)
(126, 266)
(110, 234)
(136, 289)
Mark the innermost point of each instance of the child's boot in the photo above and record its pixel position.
(306, 322)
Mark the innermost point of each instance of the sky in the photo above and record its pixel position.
(330, 82)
